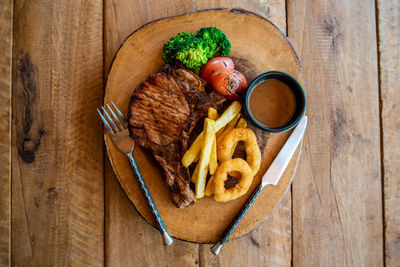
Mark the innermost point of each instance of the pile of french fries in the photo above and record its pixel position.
(204, 148)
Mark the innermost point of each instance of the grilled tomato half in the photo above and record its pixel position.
(215, 65)
(229, 83)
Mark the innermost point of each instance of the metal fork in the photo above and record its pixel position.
(118, 130)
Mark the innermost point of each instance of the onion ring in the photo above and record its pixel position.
(222, 194)
(230, 141)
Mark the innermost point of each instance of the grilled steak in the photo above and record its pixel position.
(163, 112)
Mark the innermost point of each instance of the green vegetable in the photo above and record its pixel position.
(188, 49)
(216, 41)
(195, 50)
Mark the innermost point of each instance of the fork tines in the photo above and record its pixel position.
(113, 125)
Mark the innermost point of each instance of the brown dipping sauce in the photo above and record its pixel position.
(272, 103)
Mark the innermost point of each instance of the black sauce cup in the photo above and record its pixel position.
(296, 88)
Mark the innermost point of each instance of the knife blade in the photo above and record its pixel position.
(278, 166)
(271, 177)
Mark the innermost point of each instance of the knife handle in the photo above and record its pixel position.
(167, 239)
(239, 216)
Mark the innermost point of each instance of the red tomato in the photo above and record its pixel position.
(226, 84)
(214, 65)
(242, 79)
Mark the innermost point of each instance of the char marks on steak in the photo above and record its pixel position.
(163, 112)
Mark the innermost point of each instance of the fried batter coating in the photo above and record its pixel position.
(230, 141)
(222, 194)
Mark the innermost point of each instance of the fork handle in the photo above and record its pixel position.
(167, 239)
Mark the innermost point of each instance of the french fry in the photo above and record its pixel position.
(212, 113)
(210, 187)
(229, 126)
(201, 175)
(195, 174)
(233, 122)
(242, 123)
(192, 153)
(213, 157)
(213, 165)
(220, 131)
(228, 115)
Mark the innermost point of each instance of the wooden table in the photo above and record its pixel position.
(60, 202)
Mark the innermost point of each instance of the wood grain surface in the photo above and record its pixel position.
(389, 62)
(274, 10)
(57, 184)
(269, 244)
(124, 226)
(337, 197)
(344, 207)
(6, 22)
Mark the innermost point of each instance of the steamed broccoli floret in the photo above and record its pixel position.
(176, 44)
(216, 40)
(188, 49)
(195, 50)
(194, 54)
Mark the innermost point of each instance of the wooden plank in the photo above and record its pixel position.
(389, 43)
(267, 245)
(274, 10)
(6, 23)
(130, 241)
(122, 18)
(337, 197)
(270, 243)
(57, 166)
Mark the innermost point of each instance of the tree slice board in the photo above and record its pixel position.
(257, 46)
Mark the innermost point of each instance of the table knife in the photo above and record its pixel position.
(271, 177)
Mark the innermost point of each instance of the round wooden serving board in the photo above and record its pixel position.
(257, 46)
